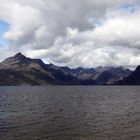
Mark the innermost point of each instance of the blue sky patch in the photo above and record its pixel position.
(131, 8)
(3, 28)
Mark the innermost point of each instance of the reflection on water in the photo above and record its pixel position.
(70, 113)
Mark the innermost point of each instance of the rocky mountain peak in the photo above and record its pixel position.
(19, 55)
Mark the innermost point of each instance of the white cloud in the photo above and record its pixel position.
(75, 33)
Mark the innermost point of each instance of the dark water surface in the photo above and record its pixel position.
(70, 113)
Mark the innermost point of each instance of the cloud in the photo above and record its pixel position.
(75, 33)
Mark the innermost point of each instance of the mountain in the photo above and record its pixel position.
(21, 70)
(109, 75)
(102, 75)
(132, 79)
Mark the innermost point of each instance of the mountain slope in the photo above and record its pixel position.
(25, 70)
(132, 79)
(109, 75)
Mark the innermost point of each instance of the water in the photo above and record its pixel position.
(70, 113)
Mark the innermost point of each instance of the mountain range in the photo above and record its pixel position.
(21, 70)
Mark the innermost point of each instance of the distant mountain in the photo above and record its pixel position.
(109, 75)
(21, 70)
(132, 79)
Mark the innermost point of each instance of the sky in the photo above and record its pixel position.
(3, 28)
(74, 33)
